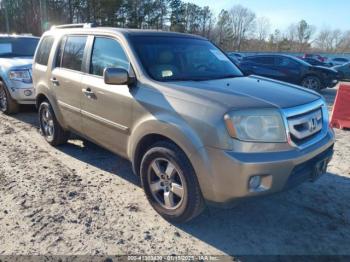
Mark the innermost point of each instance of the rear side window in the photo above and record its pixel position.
(73, 53)
(265, 60)
(287, 62)
(107, 53)
(42, 56)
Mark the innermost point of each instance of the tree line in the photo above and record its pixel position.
(238, 28)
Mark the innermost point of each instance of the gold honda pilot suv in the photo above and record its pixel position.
(196, 130)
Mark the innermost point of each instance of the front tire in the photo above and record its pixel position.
(52, 131)
(312, 82)
(7, 104)
(170, 183)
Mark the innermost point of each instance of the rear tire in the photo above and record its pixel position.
(7, 105)
(170, 183)
(52, 131)
(312, 82)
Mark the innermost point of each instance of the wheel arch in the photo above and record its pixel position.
(152, 131)
(42, 95)
(2, 80)
(314, 75)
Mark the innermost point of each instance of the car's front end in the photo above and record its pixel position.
(263, 162)
(16, 58)
(18, 80)
(329, 76)
(244, 136)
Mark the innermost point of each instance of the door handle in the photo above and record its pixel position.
(88, 92)
(54, 81)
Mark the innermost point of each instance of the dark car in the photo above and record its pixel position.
(344, 71)
(290, 69)
(236, 58)
(316, 62)
(315, 56)
(339, 61)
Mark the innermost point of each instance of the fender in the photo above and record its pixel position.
(181, 134)
(42, 90)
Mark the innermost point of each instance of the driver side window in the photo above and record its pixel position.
(107, 52)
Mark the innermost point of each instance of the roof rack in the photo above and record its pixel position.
(82, 25)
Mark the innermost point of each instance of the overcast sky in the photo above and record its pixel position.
(320, 13)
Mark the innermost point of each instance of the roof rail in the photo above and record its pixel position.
(82, 25)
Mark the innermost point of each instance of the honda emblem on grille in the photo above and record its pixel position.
(312, 124)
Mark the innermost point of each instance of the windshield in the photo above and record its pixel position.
(300, 60)
(182, 59)
(17, 46)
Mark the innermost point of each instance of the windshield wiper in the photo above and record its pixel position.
(224, 77)
(198, 79)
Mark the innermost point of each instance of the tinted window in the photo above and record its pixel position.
(73, 52)
(286, 62)
(182, 59)
(107, 53)
(44, 49)
(17, 46)
(265, 60)
(340, 59)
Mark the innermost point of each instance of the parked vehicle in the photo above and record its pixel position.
(343, 70)
(339, 61)
(195, 129)
(315, 62)
(320, 58)
(16, 55)
(290, 69)
(235, 57)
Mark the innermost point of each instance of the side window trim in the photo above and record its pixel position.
(88, 54)
(59, 49)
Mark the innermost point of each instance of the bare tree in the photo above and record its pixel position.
(344, 45)
(243, 22)
(223, 30)
(263, 29)
(304, 34)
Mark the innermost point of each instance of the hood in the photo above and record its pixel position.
(243, 92)
(16, 62)
(325, 69)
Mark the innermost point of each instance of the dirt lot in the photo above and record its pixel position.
(81, 199)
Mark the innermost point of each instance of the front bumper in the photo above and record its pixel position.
(23, 95)
(331, 82)
(228, 173)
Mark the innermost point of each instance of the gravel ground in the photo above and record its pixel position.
(81, 199)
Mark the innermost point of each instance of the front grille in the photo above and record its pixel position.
(303, 127)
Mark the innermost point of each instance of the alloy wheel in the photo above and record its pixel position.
(167, 183)
(311, 83)
(47, 123)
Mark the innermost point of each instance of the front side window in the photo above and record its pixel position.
(42, 56)
(182, 59)
(107, 53)
(73, 53)
(18, 46)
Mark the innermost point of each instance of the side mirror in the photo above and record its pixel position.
(117, 76)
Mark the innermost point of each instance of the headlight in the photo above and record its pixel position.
(22, 75)
(256, 125)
